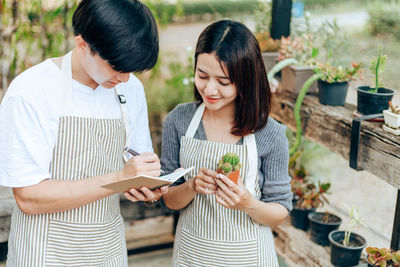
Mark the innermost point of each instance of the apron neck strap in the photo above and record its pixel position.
(194, 124)
(124, 111)
(249, 141)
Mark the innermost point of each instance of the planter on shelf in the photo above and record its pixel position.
(346, 256)
(270, 59)
(294, 76)
(321, 224)
(391, 119)
(373, 103)
(299, 217)
(333, 94)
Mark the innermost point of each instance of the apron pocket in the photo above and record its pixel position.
(197, 251)
(84, 244)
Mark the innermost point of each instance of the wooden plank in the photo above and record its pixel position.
(297, 249)
(149, 232)
(331, 127)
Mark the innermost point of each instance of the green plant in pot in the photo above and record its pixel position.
(334, 82)
(374, 99)
(346, 246)
(307, 197)
(382, 257)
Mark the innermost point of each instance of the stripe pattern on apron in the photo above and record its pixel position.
(92, 235)
(209, 234)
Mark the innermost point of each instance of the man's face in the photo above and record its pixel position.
(101, 71)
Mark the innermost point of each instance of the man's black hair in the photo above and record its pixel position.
(122, 32)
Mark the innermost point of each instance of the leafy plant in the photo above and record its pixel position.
(332, 74)
(308, 194)
(377, 67)
(355, 221)
(267, 44)
(228, 163)
(378, 256)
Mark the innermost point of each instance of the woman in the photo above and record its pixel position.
(222, 223)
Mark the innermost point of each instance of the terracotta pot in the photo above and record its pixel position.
(233, 176)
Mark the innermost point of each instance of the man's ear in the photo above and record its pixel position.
(81, 46)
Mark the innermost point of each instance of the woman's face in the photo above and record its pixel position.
(213, 84)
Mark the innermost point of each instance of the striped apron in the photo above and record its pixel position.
(209, 234)
(92, 235)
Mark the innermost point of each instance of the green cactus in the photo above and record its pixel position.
(228, 163)
(226, 167)
(232, 158)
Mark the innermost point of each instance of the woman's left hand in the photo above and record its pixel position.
(231, 195)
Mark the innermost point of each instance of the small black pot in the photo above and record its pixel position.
(320, 230)
(333, 94)
(299, 219)
(373, 103)
(346, 256)
(371, 265)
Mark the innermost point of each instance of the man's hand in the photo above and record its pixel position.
(146, 163)
(145, 194)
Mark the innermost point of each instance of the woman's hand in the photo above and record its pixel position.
(204, 182)
(145, 194)
(231, 195)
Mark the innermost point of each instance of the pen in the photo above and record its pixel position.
(135, 153)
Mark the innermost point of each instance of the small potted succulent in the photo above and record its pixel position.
(321, 224)
(346, 246)
(374, 99)
(229, 165)
(392, 118)
(307, 197)
(333, 86)
(382, 257)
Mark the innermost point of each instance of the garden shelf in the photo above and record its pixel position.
(331, 127)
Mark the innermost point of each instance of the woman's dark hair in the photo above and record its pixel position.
(236, 47)
(122, 32)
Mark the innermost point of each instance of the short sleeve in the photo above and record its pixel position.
(140, 138)
(25, 153)
(274, 167)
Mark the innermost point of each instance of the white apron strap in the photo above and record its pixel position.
(252, 157)
(67, 83)
(194, 124)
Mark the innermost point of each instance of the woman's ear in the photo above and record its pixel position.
(81, 46)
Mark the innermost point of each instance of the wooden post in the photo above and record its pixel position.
(395, 243)
(281, 15)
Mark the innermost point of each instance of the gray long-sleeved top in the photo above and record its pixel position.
(272, 148)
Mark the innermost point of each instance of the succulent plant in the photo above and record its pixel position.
(393, 108)
(228, 163)
(378, 256)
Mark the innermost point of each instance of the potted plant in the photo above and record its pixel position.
(321, 224)
(392, 119)
(374, 99)
(382, 257)
(307, 197)
(269, 49)
(333, 86)
(295, 59)
(346, 246)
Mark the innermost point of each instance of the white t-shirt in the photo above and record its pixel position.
(30, 112)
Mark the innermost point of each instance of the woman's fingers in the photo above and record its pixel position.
(228, 200)
(130, 197)
(226, 185)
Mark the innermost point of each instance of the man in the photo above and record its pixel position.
(64, 125)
